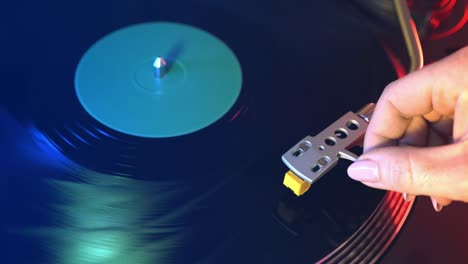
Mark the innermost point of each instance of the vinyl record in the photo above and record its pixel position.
(80, 191)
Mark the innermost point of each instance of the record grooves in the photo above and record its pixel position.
(90, 194)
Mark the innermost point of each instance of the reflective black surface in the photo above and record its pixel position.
(77, 192)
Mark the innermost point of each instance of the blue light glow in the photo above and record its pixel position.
(65, 139)
(105, 133)
(88, 131)
(77, 136)
(46, 151)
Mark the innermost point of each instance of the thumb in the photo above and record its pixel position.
(436, 171)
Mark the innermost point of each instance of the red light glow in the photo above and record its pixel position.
(454, 29)
(399, 68)
(241, 110)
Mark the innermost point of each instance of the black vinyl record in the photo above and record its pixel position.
(78, 192)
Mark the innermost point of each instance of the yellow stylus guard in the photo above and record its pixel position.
(295, 183)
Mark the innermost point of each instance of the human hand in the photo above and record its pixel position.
(417, 140)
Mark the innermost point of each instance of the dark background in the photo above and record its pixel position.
(305, 63)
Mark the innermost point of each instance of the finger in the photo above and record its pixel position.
(408, 197)
(416, 134)
(440, 132)
(433, 116)
(434, 88)
(434, 171)
(439, 203)
(435, 139)
(460, 126)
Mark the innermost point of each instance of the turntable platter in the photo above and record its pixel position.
(79, 191)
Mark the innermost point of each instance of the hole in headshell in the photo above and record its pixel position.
(341, 133)
(316, 168)
(297, 153)
(330, 141)
(323, 161)
(303, 147)
(352, 124)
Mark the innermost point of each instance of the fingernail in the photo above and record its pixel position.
(364, 170)
(436, 205)
(408, 197)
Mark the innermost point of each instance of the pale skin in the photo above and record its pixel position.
(417, 140)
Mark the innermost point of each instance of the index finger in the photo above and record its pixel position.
(432, 90)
